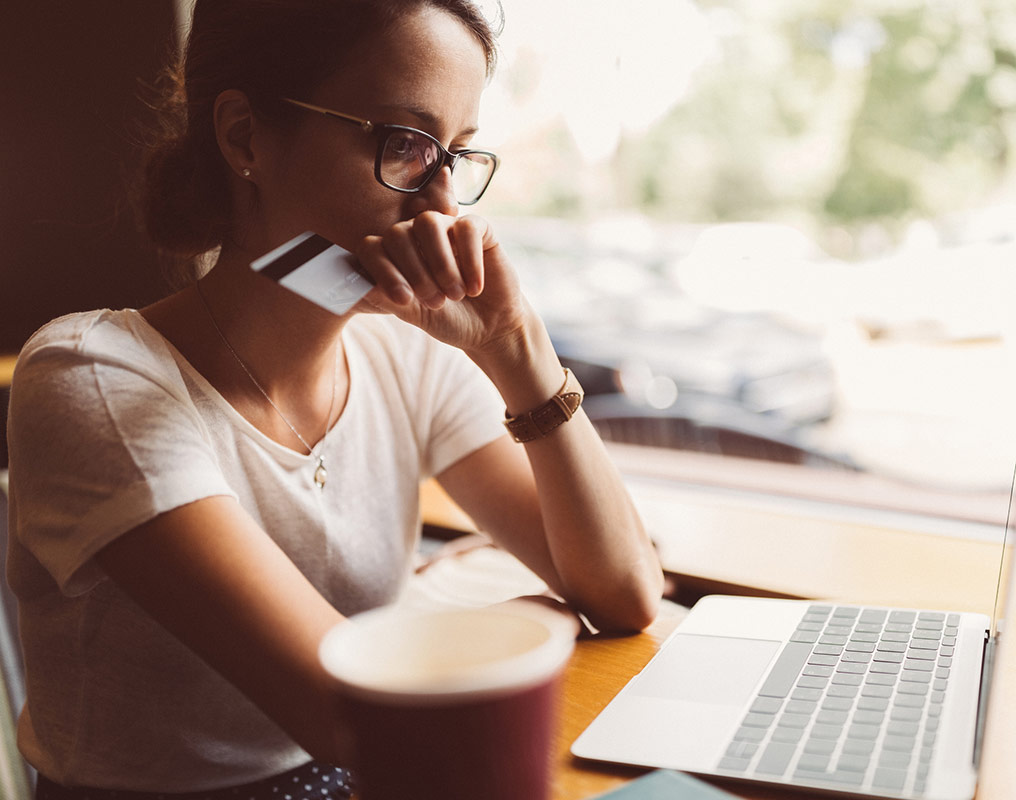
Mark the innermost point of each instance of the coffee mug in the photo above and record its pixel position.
(451, 705)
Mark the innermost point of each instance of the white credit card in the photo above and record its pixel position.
(315, 268)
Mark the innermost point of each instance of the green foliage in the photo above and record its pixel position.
(858, 113)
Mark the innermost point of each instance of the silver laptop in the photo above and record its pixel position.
(856, 700)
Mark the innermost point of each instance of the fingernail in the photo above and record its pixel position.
(456, 291)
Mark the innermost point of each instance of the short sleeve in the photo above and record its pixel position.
(100, 442)
(462, 408)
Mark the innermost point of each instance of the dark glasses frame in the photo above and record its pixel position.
(383, 132)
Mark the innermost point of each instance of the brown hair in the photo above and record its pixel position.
(268, 49)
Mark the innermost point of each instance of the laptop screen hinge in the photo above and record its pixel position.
(988, 667)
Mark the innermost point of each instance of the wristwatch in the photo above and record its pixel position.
(540, 421)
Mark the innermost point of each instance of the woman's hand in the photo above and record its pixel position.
(448, 276)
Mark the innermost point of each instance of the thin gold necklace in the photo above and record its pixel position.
(320, 473)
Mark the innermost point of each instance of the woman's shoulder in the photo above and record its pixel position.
(83, 330)
(117, 338)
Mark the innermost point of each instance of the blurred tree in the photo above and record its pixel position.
(833, 114)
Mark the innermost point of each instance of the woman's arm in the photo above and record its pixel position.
(559, 505)
(209, 574)
(557, 502)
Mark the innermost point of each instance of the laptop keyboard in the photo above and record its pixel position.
(853, 702)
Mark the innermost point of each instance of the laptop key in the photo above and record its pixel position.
(786, 670)
(734, 764)
(901, 744)
(753, 720)
(805, 637)
(794, 721)
(904, 714)
(859, 747)
(791, 735)
(801, 706)
(892, 636)
(815, 762)
(826, 732)
(776, 758)
(889, 778)
(858, 731)
(742, 749)
(823, 747)
(766, 705)
(750, 734)
(914, 676)
(891, 758)
(866, 717)
(848, 777)
(853, 763)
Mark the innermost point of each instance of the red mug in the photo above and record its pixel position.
(451, 705)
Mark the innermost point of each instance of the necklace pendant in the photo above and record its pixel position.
(320, 474)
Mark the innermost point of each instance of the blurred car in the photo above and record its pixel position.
(659, 368)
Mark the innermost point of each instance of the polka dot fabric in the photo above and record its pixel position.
(312, 781)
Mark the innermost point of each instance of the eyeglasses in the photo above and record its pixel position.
(408, 159)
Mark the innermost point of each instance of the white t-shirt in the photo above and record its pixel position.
(111, 426)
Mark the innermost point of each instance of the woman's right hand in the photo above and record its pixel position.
(448, 276)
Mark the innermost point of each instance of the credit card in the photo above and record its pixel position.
(315, 268)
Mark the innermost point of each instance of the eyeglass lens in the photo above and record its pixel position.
(410, 159)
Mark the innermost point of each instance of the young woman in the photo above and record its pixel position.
(201, 489)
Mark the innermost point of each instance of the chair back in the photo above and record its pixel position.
(16, 777)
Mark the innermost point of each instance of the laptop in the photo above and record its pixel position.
(834, 698)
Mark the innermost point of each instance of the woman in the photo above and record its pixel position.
(201, 489)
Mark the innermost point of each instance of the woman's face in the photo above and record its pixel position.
(428, 73)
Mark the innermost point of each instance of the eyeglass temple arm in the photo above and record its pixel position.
(365, 124)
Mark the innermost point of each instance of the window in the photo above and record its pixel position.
(792, 225)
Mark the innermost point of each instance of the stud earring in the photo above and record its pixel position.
(245, 173)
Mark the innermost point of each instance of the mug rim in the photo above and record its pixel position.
(535, 666)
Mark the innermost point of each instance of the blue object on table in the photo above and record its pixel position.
(666, 784)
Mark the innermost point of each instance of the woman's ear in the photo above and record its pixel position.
(234, 129)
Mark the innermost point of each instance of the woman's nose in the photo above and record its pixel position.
(438, 195)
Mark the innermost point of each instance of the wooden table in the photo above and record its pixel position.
(767, 543)
(7, 363)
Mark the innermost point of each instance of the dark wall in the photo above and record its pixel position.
(70, 75)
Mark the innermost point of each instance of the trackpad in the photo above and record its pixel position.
(706, 669)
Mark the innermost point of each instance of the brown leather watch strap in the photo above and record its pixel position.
(540, 421)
